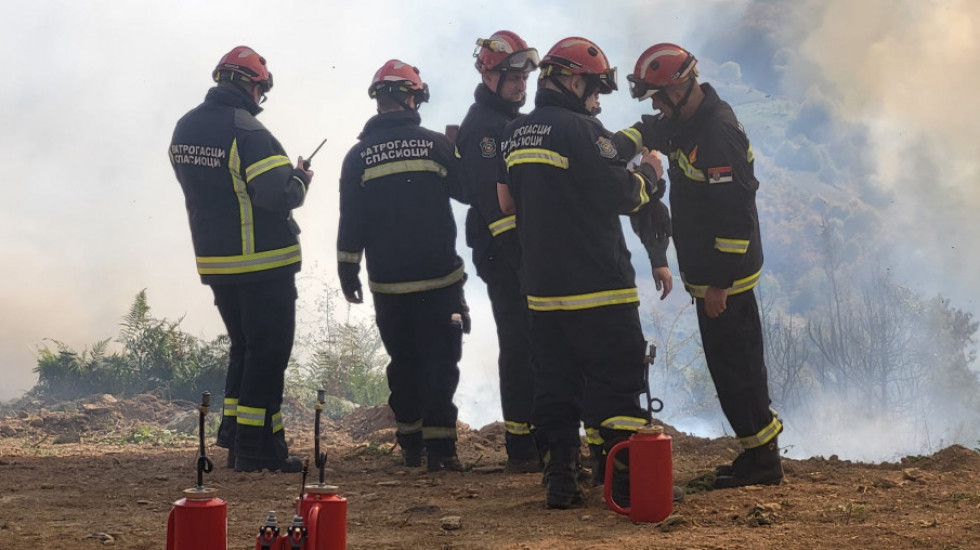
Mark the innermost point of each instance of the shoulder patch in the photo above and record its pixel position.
(488, 147)
(720, 174)
(692, 157)
(606, 147)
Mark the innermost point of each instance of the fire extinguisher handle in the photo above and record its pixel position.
(170, 530)
(313, 528)
(607, 484)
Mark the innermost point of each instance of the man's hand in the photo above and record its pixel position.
(354, 297)
(664, 280)
(653, 159)
(350, 282)
(715, 301)
(304, 166)
(505, 199)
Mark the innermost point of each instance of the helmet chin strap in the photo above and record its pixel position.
(501, 76)
(565, 90)
(247, 91)
(408, 107)
(404, 104)
(675, 109)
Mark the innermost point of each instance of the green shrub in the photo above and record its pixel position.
(155, 355)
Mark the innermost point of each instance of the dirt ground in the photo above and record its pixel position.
(102, 472)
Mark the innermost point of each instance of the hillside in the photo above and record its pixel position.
(102, 472)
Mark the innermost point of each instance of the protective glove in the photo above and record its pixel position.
(652, 225)
(464, 309)
(350, 282)
(660, 218)
(661, 188)
(304, 177)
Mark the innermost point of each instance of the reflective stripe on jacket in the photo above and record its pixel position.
(395, 187)
(570, 191)
(239, 189)
(478, 148)
(712, 194)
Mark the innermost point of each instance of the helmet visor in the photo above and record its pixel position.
(607, 81)
(639, 88)
(266, 85)
(524, 60)
(422, 95)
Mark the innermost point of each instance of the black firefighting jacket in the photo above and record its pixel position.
(239, 188)
(477, 145)
(395, 187)
(712, 194)
(570, 189)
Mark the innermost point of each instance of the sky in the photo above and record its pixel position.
(92, 213)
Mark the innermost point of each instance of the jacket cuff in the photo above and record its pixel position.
(301, 176)
(655, 186)
(719, 280)
(658, 253)
(647, 172)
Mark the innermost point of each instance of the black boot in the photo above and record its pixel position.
(442, 455)
(561, 473)
(257, 450)
(729, 469)
(522, 454)
(412, 456)
(439, 463)
(413, 447)
(761, 466)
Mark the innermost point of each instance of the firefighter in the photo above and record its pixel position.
(719, 249)
(240, 190)
(395, 186)
(504, 62)
(568, 190)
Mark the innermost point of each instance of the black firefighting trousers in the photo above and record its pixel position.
(510, 314)
(588, 367)
(734, 353)
(260, 318)
(424, 347)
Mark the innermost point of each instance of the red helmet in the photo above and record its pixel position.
(242, 63)
(397, 76)
(661, 65)
(576, 55)
(504, 51)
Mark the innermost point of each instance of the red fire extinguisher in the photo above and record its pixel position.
(322, 511)
(651, 476)
(199, 521)
(325, 514)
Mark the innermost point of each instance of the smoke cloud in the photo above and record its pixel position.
(875, 96)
